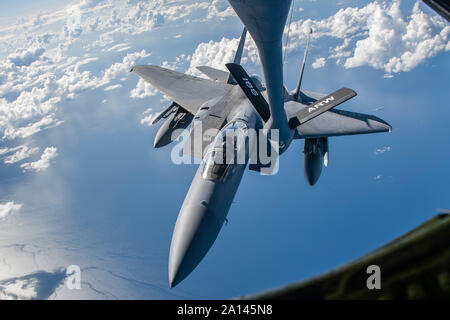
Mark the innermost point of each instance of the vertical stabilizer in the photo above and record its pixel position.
(297, 90)
(238, 56)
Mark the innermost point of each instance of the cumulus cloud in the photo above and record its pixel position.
(39, 70)
(42, 85)
(29, 94)
(25, 57)
(120, 68)
(9, 208)
(319, 63)
(216, 54)
(43, 163)
(73, 26)
(395, 44)
(37, 285)
(220, 9)
(179, 62)
(142, 90)
(378, 35)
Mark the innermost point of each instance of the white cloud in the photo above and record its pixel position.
(148, 119)
(44, 162)
(9, 150)
(32, 128)
(30, 286)
(117, 47)
(220, 9)
(124, 49)
(39, 70)
(378, 35)
(30, 93)
(9, 208)
(120, 68)
(319, 63)
(382, 150)
(21, 154)
(216, 54)
(149, 116)
(178, 64)
(395, 44)
(25, 57)
(213, 54)
(113, 87)
(143, 89)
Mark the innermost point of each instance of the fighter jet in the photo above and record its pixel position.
(225, 108)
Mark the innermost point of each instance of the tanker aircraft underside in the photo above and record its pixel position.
(233, 104)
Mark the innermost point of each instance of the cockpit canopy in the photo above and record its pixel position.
(258, 83)
(226, 152)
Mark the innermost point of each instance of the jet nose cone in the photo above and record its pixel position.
(196, 230)
(311, 181)
(161, 139)
(312, 167)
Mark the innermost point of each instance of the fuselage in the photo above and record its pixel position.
(211, 193)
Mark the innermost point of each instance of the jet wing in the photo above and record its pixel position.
(340, 123)
(314, 95)
(188, 91)
(214, 74)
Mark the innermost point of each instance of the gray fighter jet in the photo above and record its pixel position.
(223, 110)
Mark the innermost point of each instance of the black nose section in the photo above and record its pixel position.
(312, 167)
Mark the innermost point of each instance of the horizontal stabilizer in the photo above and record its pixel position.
(341, 123)
(214, 74)
(251, 91)
(317, 108)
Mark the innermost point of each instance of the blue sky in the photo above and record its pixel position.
(105, 200)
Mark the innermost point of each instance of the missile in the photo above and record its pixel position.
(312, 167)
(326, 155)
(165, 113)
(314, 151)
(180, 119)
